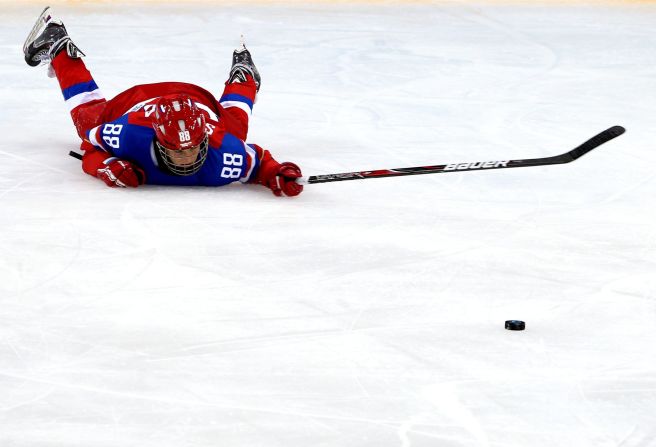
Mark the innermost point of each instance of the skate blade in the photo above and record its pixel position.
(41, 23)
(242, 46)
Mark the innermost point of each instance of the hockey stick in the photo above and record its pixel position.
(567, 157)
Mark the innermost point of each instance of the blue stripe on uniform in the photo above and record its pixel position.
(236, 97)
(79, 88)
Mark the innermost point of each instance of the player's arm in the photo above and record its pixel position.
(99, 159)
(280, 178)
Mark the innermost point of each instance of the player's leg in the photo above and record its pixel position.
(83, 98)
(49, 43)
(240, 91)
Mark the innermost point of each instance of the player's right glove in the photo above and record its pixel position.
(122, 173)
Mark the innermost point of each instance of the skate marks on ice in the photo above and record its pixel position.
(453, 413)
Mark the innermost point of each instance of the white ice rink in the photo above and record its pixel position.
(365, 313)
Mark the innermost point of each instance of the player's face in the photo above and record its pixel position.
(184, 157)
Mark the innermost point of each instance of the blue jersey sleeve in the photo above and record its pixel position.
(232, 161)
(121, 138)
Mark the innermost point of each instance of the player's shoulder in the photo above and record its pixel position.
(141, 114)
(139, 119)
(226, 142)
(132, 122)
(216, 132)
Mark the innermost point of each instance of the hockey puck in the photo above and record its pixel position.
(515, 325)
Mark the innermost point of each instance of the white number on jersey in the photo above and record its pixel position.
(108, 131)
(227, 172)
(233, 164)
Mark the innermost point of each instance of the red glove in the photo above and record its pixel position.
(282, 180)
(117, 172)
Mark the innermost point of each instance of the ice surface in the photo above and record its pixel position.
(366, 313)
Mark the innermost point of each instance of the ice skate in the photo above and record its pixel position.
(47, 38)
(242, 65)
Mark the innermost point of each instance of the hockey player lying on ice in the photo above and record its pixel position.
(169, 133)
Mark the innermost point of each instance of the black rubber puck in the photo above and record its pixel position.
(515, 325)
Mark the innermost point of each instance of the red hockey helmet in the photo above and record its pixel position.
(180, 134)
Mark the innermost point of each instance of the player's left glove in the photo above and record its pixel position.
(280, 178)
(117, 172)
(283, 180)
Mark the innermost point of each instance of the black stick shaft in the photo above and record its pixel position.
(75, 155)
(567, 157)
